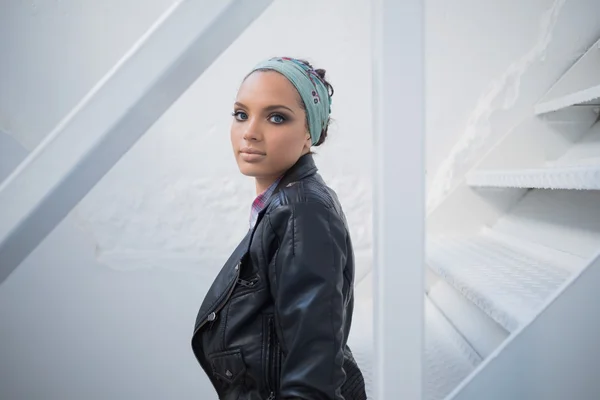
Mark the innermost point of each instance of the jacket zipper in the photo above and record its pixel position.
(248, 283)
(220, 306)
(273, 361)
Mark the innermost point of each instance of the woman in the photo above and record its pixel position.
(275, 322)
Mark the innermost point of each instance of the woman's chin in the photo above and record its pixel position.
(250, 170)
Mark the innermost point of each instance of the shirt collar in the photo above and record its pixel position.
(304, 167)
(259, 203)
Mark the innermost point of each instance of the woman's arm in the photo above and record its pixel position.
(307, 279)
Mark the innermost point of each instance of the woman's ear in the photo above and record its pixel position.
(308, 143)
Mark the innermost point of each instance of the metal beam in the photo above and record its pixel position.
(399, 198)
(175, 51)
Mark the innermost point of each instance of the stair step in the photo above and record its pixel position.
(580, 85)
(508, 285)
(449, 358)
(565, 220)
(582, 176)
(479, 330)
(577, 168)
(585, 96)
(584, 151)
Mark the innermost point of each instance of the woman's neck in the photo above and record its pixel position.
(263, 184)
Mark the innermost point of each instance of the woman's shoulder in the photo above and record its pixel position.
(306, 204)
(312, 190)
(309, 195)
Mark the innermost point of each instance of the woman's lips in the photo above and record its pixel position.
(251, 155)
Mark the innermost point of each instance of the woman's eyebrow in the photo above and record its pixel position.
(269, 108)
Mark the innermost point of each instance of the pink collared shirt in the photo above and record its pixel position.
(259, 203)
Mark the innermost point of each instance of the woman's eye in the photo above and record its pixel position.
(240, 115)
(277, 119)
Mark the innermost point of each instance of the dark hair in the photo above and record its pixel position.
(321, 74)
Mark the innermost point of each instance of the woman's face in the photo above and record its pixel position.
(268, 132)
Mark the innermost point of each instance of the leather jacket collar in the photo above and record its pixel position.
(304, 167)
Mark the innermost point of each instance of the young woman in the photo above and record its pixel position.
(275, 322)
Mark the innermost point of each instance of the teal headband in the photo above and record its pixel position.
(312, 90)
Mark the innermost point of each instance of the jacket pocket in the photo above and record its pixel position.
(272, 357)
(245, 285)
(228, 366)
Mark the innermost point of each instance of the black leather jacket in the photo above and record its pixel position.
(275, 322)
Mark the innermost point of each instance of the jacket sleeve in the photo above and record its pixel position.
(307, 280)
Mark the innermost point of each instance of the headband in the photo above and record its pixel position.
(311, 88)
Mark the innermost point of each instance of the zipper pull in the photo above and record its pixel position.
(271, 396)
(246, 283)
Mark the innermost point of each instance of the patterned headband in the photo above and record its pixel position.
(312, 90)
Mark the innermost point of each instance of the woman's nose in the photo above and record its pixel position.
(252, 131)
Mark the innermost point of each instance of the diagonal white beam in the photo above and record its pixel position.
(175, 51)
(399, 198)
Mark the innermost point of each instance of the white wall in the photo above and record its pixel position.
(12, 154)
(54, 51)
(105, 307)
(108, 313)
(72, 329)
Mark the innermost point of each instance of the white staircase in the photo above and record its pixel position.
(507, 243)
